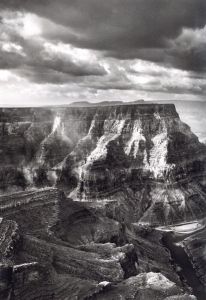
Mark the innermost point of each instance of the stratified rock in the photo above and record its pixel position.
(195, 247)
(59, 243)
(127, 171)
(34, 211)
(141, 156)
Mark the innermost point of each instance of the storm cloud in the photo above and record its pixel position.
(93, 46)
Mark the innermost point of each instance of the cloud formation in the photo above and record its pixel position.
(94, 49)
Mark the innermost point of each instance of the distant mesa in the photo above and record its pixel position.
(106, 103)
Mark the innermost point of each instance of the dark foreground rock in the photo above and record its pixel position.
(56, 248)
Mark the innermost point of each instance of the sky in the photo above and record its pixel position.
(61, 51)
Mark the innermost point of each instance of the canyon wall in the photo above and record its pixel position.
(86, 196)
(142, 153)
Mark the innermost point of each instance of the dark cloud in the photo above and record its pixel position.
(122, 29)
(170, 33)
(36, 67)
(36, 59)
(10, 60)
(118, 23)
(188, 50)
(43, 75)
(149, 80)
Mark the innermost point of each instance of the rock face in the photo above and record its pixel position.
(148, 286)
(127, 173)
(62, 249)
(142, 153)
(195, 247)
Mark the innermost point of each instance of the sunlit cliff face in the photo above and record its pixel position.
(136, 153)
(57, 123)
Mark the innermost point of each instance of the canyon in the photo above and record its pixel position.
(101, 202)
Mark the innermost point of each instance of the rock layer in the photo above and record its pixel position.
(48, 255)
(127, 171)
(141, 152)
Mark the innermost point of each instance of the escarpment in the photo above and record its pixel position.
(89, 198)
(141, 152)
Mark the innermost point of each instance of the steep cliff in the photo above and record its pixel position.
(130, 173)
(141, 154)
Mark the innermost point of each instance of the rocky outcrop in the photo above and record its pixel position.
(60, 244)
(148, 286)
(9, 236)
(33, 211)
(195, 247)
